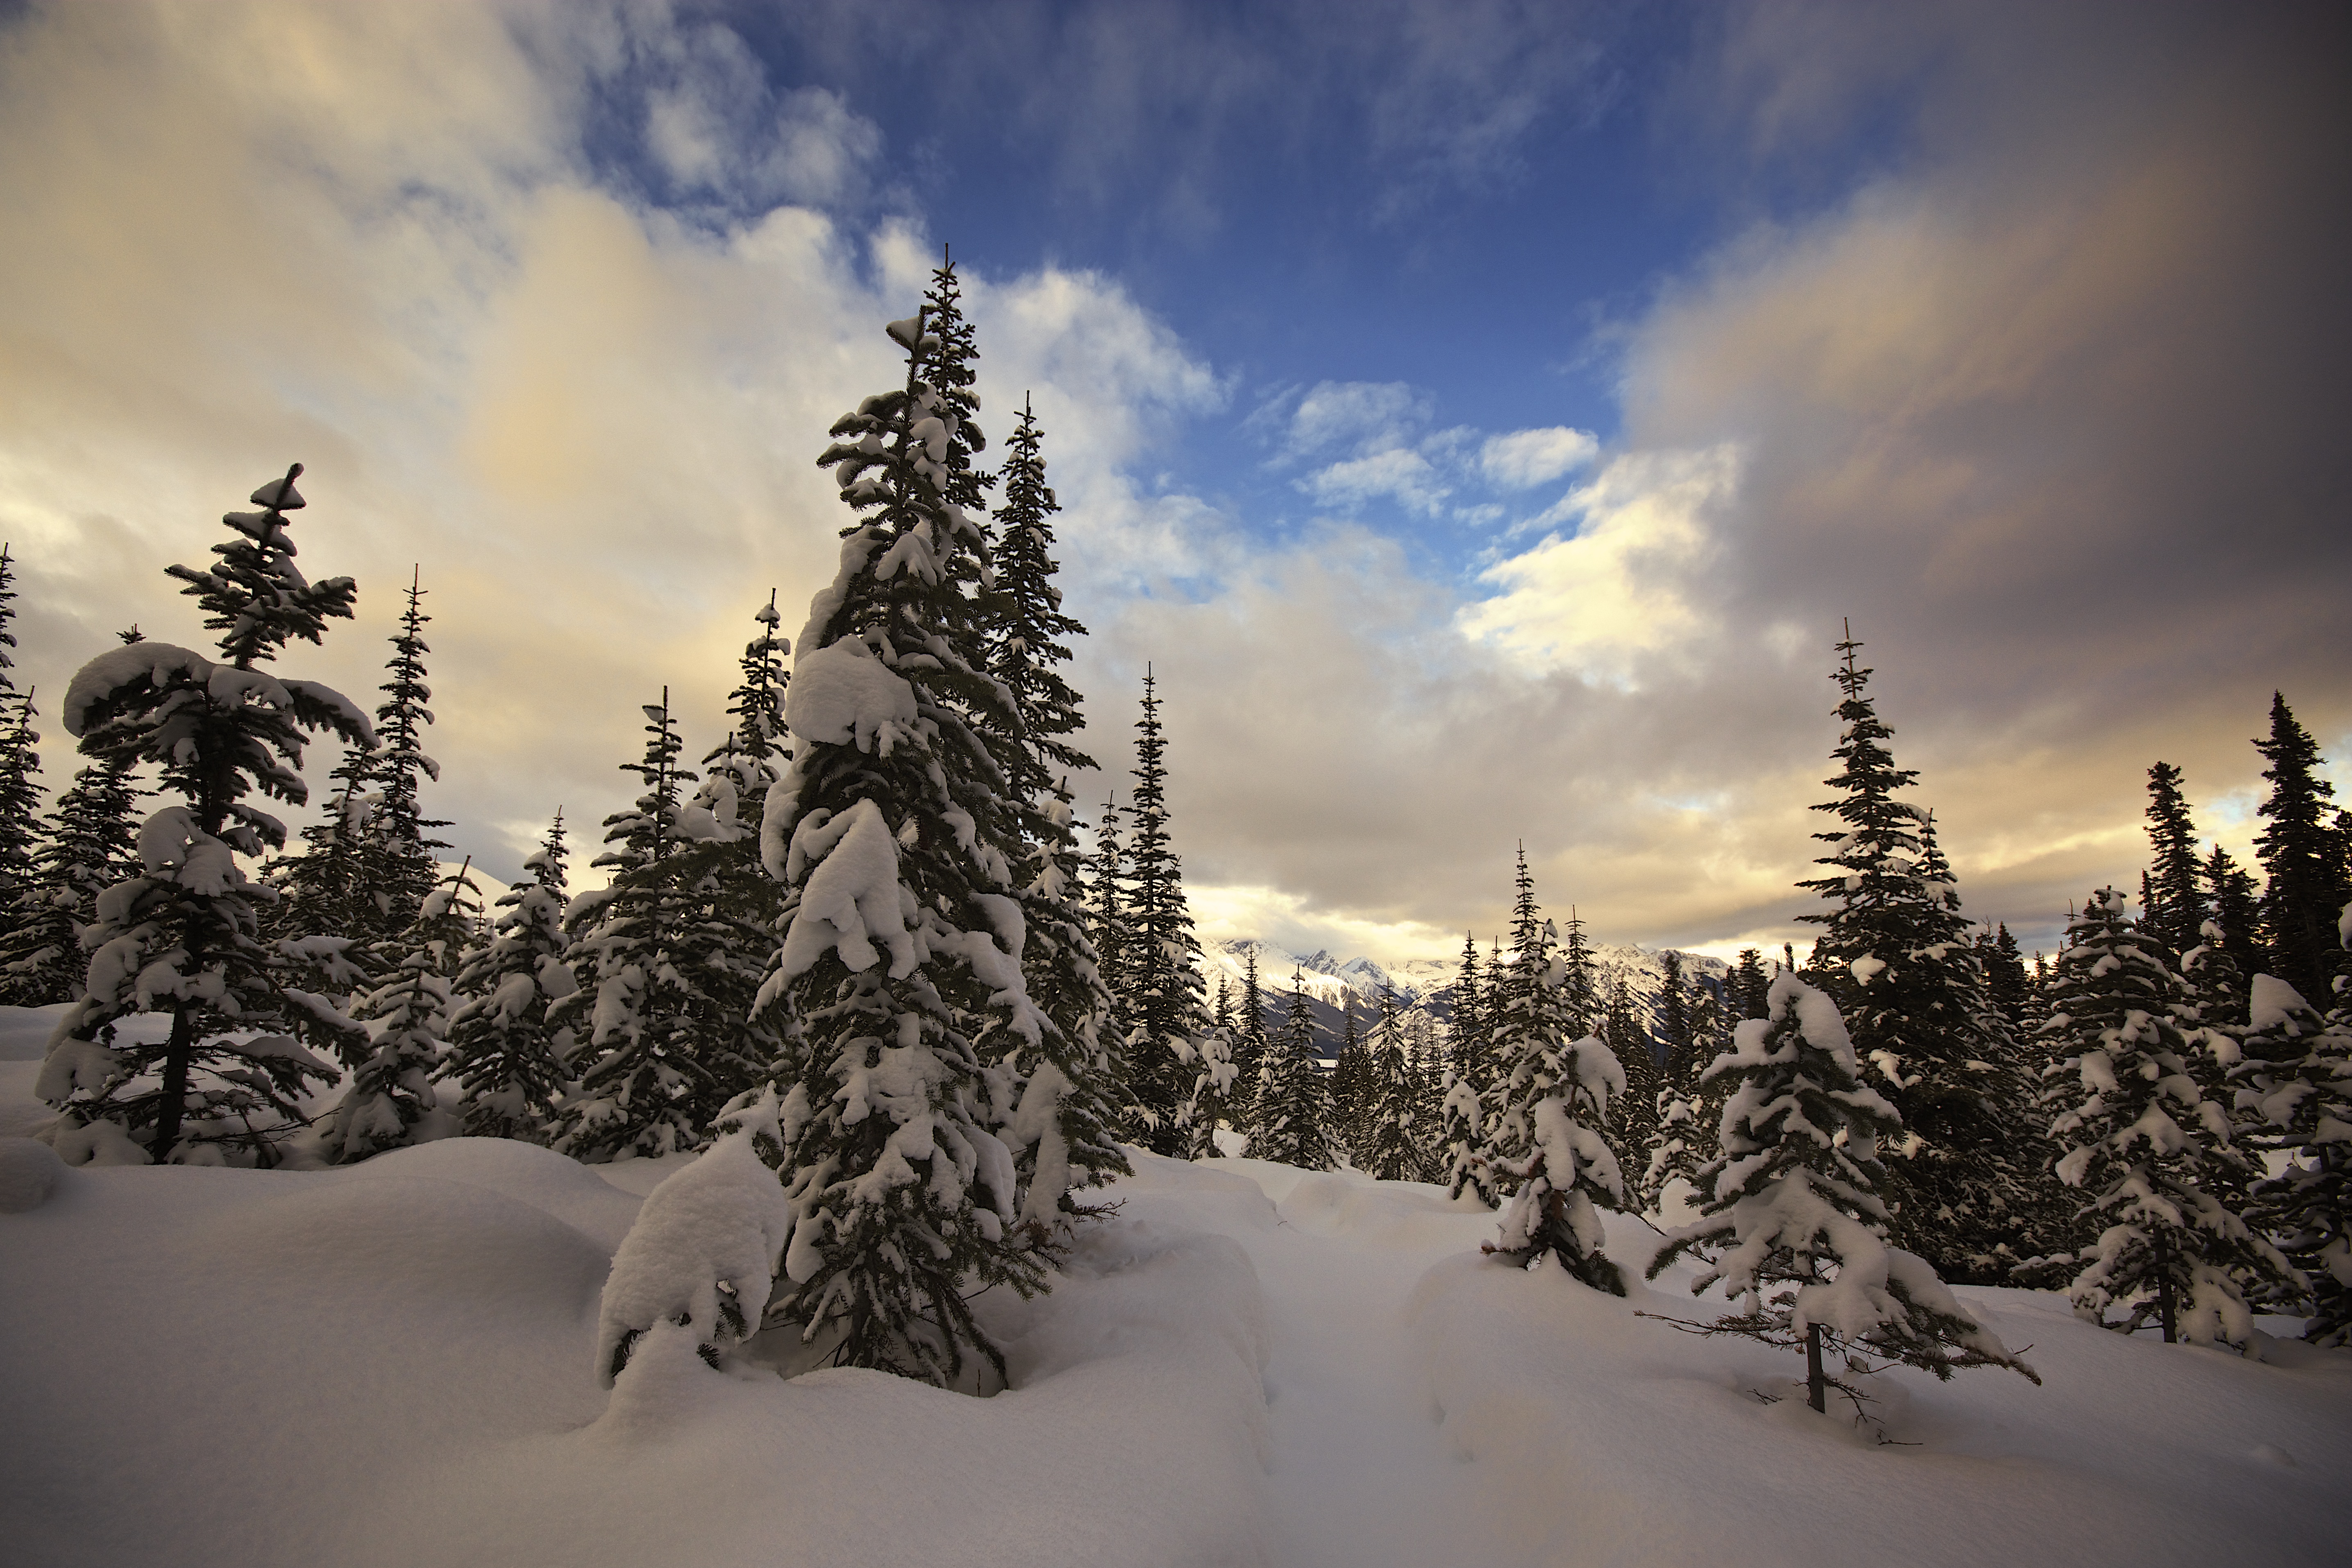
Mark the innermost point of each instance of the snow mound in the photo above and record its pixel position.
(29, 1172)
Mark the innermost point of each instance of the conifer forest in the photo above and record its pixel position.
(859, 1147)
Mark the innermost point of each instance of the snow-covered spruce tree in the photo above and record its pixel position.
(1426, 1052)
(2305, 884)
(668, 967)
(1677, 1039)
(2145, 1145)
(1294, 1102)
(752, 756)
(1249, 1046)
(2236, 899)
(1172, 1058)
(1746, 988)
(2005, 977)
(1530, 1029)
(1062, 1130)
(391, 1103)
(899, 971)
(1893, 954)
(1635, 1128)
(182, 937)
(1461, 1112)
(2174, 911)
(325, 890)
(2294, 1087)
(1393, 1135)
(1351, 1083)
(93, 844)
(20, 765)
(1567, 1167)
(1791, 1197)
(506, 1055)
(399, 866)
(1107, 928)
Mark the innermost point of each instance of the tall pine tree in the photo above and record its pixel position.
(2174, 911)
(1173, 1057)
(1294, 1099)
(507, 1055)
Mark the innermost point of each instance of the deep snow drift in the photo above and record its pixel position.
(394, 1363)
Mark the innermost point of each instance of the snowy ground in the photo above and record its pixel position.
(1248, 1364)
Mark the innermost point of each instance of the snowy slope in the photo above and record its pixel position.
(1249, 1365)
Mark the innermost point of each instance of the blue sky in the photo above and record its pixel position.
(1481, 416)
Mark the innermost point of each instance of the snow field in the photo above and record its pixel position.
(1245, 1365)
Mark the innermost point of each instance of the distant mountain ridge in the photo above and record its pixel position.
(1424, 985)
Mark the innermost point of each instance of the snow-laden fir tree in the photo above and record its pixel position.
(1063, 1127)
(1461, 1112)
(182, 937)
(1249, 1046)
(1579, 982)
(1391, 1147)
(2305, 882)
(2145, 1144)
(1530, 1031)
(1679, 1148)
(20, 765)
(2295, 1090)
(1108, 929)
(327, 889)
(1678, 1038)
(899, 975)
(91, 843)
(1294, 1101)
(739, 772)
(1634, 1128)
(1745, 988)
(2236, 899)
(668, 964)
(1351, 1082)
(1568, 1169)
(1173, 1057)
(506, 1056)
(391, 1103)
(1793, 1211)
(399, 866)
(1894, 953)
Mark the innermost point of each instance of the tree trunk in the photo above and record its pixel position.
(1816, 1385)
(2164, 1287)
(177, 1052)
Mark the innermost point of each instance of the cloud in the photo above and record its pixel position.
(1619, 586)
(1525, 458)
(1364, 415)
(1396, 471)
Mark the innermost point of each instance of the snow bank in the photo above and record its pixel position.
(1595, 1435)
(393, 1363)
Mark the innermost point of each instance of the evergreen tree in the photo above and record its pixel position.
(2006, 984)
(2296, 1086)
(2173, 909)
(93, 844)
(1351, 1083)
(391, 1103)
(1470, 1066)
(2145, 1144)
(1108, 925)
(1747, 985)
(20, 794)
(2235, 899)
(1894, 955)
(1064, 1131)
(1294, 1122)
(1531, 1032)
(1064, 1139)
(1393, 1135)
(1579, 980)
(1638, 1109)
(1568, 1169)
(400, 866)
(506, 1055)
(898, 976)
(183, 937)
(667, 975)
(328, 889)
(2303, 860)
(1172, 1059)
(20, 797)
(1792, 1195)
(1249, 1046)
(752, 756)
(1676, 1035)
